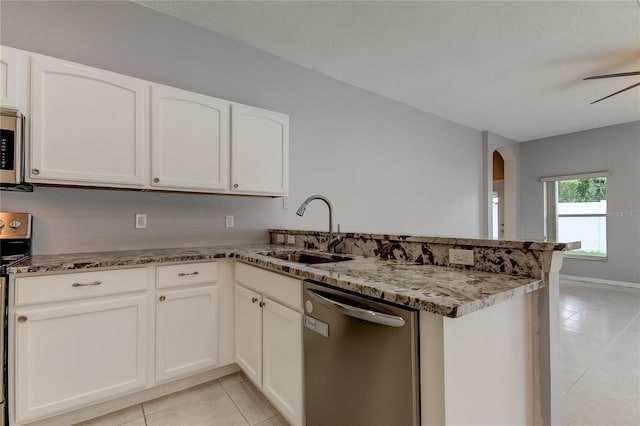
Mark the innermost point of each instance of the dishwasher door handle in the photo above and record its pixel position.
(363, 314)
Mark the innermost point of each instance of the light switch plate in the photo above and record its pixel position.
(228, 221)
(461, 257)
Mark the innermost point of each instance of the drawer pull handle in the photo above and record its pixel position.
(254, 299)
(163, 298)
(86, 284)
(22, 318)
(186, 274)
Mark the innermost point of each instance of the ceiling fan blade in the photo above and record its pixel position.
(622, 74)
(619, 91)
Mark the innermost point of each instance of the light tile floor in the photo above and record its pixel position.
(229, 401)
(600, 354)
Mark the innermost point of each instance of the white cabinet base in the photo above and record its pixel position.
(282, 359)
(248, 333)
(187, 331)
(103, 342)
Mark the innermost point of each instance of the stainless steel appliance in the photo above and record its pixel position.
(15, 246)
(360, 360)
(12, 129)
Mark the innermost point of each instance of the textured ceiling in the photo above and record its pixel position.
(512, 67)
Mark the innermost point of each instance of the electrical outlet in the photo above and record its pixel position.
(291, 239)
(228, 221)
(461, 257)
(279, 238)
(141, 221)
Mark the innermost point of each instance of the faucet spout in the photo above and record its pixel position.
(303, 207)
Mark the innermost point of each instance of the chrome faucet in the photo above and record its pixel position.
(303, 207)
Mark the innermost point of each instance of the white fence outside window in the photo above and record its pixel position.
(585, 222)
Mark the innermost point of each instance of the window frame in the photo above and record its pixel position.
(550, 188)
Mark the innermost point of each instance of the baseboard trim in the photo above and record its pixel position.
(138, 397)
(600, 281)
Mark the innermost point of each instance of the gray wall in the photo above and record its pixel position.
(387, 167)
(615, 149)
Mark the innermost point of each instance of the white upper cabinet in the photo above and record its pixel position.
(14, 66)
(189, 140)
(259, 151)
(89, 126)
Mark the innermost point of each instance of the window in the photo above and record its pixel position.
(576, 210)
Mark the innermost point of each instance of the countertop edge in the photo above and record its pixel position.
(251, 255)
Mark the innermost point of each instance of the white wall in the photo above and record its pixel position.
(615, 149)
(387, 167)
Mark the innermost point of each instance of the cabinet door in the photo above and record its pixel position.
(72, 355)
(13, 79)
(88, 125)
(282, 359)
(260, 151)
(248, 333)
(189, 140)
(187, 331)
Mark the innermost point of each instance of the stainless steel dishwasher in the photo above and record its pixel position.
(360, 360)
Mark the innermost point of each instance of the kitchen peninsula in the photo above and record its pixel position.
(485, 330)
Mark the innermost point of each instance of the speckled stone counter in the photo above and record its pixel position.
(436, 289)
(522, 258)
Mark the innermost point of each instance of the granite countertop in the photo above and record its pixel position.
(440, 290)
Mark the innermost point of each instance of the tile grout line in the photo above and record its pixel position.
(234, 403)
(144, 415)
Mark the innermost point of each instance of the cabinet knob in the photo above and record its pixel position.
(235, 185)
(22, 318)
(254, 299)
(163, 298)
(35, 171)
(156, 180)
(262, 304)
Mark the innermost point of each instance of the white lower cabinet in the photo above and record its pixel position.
(249, 333)
(79, 353)
(268, 336)
(282, 358)
(81, 338)
(186, 331)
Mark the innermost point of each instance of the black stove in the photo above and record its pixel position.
(15, 238)
(15, 246)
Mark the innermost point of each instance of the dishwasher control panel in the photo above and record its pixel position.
(316, 325)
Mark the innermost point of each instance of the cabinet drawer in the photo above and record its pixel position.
(187, 274)
(79, 285)
(279, 287)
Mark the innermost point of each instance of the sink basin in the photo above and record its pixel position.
(309, 258)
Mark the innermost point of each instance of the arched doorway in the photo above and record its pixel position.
(497, 197)
(503, 194)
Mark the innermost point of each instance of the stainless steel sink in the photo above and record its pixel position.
(309, 258)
